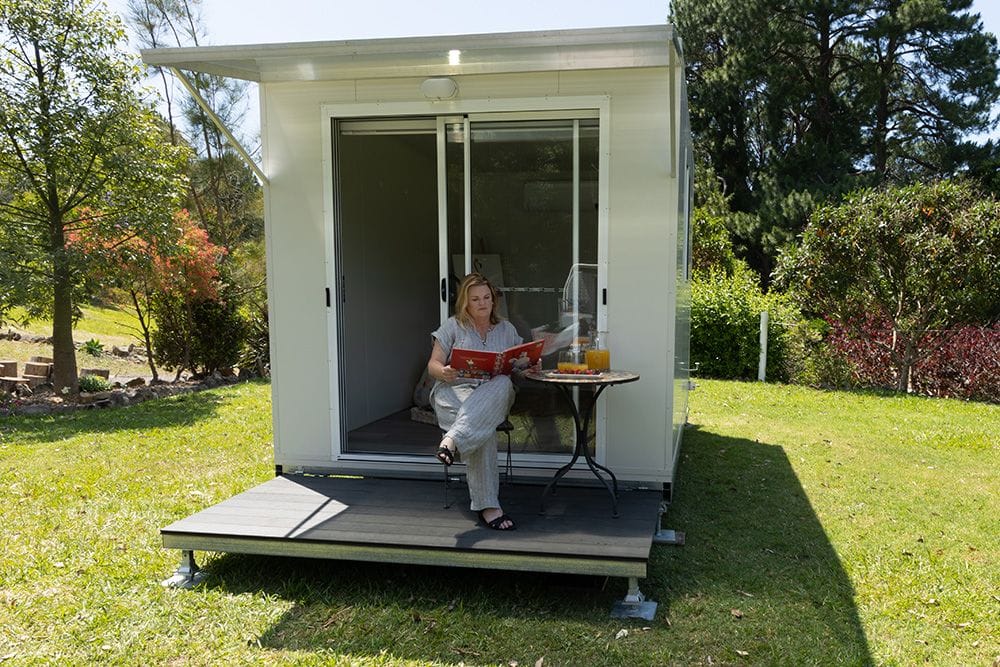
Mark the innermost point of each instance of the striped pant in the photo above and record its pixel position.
(470, 415)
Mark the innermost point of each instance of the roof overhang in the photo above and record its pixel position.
(548, 50)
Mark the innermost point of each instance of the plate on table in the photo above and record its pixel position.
(573, 376)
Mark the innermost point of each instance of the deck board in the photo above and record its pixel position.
(405, 521)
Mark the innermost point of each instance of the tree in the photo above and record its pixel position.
(197, 320)
(931, 73)
(711, 220)
(921, 258)
(183, 264)
(823, 97)
(224, 193)
(79, 150)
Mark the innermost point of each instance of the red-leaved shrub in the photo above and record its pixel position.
(960, 363)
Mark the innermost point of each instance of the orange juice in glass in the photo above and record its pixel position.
(598, 355)
(598, 359)
(571, 361)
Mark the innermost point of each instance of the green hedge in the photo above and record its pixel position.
(725, 327)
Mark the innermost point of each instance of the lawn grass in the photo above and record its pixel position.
(109, 325)
(822, 528)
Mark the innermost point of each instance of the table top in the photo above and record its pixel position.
(606, 377)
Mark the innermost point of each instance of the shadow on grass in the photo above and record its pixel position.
(757, 582)
(181, 410)
(420, 613)
(756, 555)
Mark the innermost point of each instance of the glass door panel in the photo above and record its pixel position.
(387, 231)
(533, 230)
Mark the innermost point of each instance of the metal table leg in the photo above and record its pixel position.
(582, 422)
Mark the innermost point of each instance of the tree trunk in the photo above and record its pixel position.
(906, 361)
(144, 325)
(64, 374)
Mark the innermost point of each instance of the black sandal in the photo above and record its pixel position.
(445, 455)
(497, 523)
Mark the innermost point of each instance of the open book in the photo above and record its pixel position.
(484, 365)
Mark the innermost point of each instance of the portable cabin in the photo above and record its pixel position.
(556, 162)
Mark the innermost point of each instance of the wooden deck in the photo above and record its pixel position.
(404, 521)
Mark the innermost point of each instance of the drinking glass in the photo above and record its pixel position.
(571, 361)
(598, 356)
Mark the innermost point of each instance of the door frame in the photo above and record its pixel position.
(563, 108)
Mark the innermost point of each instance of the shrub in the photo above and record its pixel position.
(725, 326)
(960, 363)
(202, 335)
(219, 334)
(92, 383)
(813, 361)
(256, 356)
(93, 347)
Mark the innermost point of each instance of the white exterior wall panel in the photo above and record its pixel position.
(297, 238)
(641, 251)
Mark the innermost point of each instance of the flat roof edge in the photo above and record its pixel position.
(584, 48)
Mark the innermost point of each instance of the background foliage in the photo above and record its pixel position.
(80, 150)
(917, 261)
(820, 98)
(725, 326)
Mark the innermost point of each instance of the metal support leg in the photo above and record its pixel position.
(188, 574)
(635, 604)
(664, 536)
(447, 484)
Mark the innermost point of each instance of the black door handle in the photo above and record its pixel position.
(444, 290)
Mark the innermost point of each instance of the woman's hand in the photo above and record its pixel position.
(438, 365)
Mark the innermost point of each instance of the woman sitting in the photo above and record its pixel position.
(470, 409)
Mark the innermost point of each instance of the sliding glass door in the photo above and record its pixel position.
(421, 202)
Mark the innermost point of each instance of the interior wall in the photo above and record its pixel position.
(389, 254)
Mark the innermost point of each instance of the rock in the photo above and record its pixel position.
(34, 409)
(95, 397)
(136, 382)
(48, 403)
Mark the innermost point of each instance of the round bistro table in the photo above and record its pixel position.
(581, 417)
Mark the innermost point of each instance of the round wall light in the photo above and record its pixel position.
(439, 88)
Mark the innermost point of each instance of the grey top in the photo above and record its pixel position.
(452, 334)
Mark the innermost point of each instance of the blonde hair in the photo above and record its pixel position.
(462, 299)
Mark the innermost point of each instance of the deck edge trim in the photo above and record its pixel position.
(407, 555)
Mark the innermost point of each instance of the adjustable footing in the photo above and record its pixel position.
(187, 575)
(635, 604)
(664, 536)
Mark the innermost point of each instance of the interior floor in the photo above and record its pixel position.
(400, 433)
